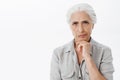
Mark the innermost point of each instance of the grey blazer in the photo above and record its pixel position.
(64, 63)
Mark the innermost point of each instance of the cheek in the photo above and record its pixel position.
(73, 30)
(74, 33)
(89, 30)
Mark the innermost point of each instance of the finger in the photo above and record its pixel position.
(79, 48)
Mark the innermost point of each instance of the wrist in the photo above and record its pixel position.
(87, 56)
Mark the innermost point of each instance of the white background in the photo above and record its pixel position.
(31, 29)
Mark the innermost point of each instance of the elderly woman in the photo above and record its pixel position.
(83, 58)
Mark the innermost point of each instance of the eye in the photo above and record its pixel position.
(85, 22)
(74, 23)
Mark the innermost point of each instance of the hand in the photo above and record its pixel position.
(84, 48)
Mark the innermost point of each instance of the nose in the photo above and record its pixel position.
(80, 28)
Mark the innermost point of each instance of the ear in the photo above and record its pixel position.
(70, 26)
(92, 26)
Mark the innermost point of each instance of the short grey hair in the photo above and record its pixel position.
(82, 7)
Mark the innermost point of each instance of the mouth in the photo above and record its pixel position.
(82, 35)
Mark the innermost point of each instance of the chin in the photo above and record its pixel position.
(82, 39)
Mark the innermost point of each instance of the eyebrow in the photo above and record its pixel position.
(75, 22)
(86, 21)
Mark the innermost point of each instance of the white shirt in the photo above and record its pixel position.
(64, 63)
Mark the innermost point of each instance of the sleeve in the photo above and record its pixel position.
(55, 70)
(106, 66)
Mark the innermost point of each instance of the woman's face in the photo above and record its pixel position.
(81, 26)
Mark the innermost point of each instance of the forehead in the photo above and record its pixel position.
(80, 16)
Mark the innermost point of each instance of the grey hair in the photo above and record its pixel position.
(82, 7)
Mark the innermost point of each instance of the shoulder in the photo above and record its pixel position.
(61, 50)
(101, 50)
(100, 45)
(101, 53)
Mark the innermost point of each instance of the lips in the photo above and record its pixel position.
(82, 35)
